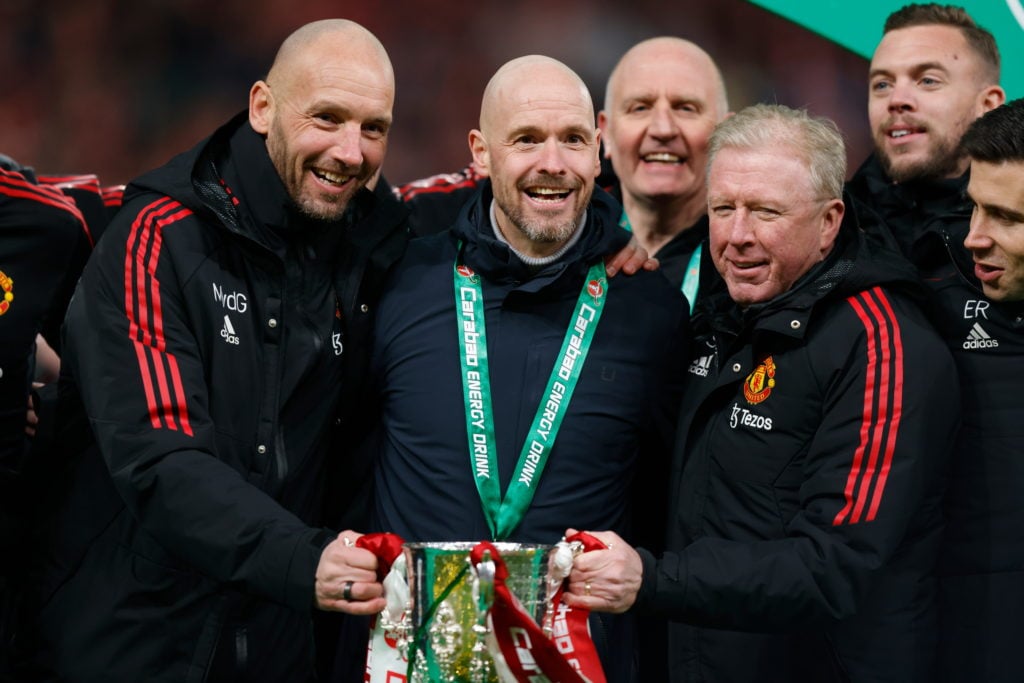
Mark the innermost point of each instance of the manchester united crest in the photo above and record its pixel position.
(595, 288)
(759, 383)
(7, 288)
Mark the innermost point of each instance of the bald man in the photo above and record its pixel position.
(206, 343)
(663, 99)
(520, 274)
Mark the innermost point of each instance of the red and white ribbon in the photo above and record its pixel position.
(521, 651)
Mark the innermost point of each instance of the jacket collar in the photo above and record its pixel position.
(250, 175)
(934, 196)
(493, 259)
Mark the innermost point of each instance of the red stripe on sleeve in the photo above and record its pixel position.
(179, 394)
(112, 195)
(883, 372)
(82, 181)
(145, 316)
(147, 384)
(15, 185)
(140, 280)
(896, 412)
(132, 256)
(880, 424)
(858, 456)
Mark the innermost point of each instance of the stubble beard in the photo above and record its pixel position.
(542, 233)
(944, 160)
(325, 208)
(539, 231)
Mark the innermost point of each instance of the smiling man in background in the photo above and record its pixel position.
(663, 99)
(934, 72)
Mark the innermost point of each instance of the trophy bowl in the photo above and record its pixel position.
(449, 598)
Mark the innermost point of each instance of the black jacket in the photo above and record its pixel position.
(810, 455)
(207, 342)
(981, 564)
(906, 213)
(44, 244)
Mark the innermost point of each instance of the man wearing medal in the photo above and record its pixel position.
(520, 389)
(662, 100)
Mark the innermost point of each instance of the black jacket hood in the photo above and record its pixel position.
(916, 214)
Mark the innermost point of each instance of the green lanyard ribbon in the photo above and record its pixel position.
(504, 514)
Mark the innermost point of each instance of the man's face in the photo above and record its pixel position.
(326, 128)
(768, 226)
(926, 86)
(541, 153)
(996, 239)
(664, 103)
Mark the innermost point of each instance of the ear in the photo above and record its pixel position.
(261, 107)
(481, 155)
(602, 128)
(990, 98)
(597, 154)
(830, 223)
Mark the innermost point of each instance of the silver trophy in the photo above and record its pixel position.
(443, 631)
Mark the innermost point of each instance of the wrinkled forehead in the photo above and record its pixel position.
(540, 95)
(666, 68)
(776, 169)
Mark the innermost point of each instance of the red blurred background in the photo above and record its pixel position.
(114, 87)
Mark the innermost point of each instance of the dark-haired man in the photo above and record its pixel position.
(980, 294)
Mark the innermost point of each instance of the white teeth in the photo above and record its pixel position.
(334, 178)
(547, 194)
(662, 156)
(899, 133)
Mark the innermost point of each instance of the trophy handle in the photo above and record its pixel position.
(483, 595)
(559, 568)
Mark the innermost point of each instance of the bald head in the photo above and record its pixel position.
(663, 99)
(325, 111)
(531, 78)
(655, 53)
(320, 41)
(538, 143)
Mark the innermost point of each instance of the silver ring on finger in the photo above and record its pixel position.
(346, 591)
